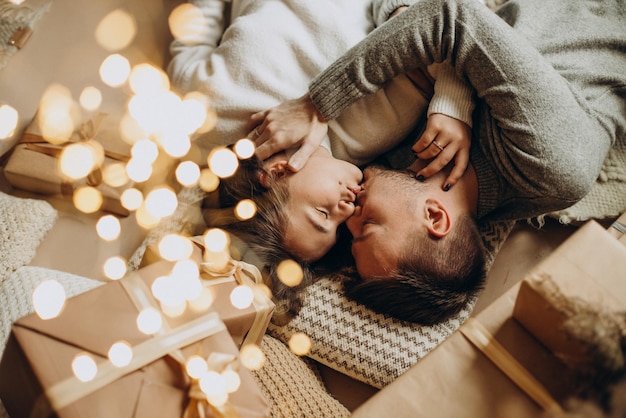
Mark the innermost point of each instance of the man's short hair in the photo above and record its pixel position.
(435, 278)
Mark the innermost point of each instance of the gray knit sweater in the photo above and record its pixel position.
(550, 76)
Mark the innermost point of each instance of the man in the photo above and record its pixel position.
(551, 88)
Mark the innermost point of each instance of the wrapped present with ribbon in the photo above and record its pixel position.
(517, 357)
(93, 156)
(112, 352)
(246, 319)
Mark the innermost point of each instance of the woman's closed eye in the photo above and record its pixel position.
(324, 213)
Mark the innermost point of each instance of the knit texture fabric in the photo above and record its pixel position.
(292, 385)
(13, 17)
(23, 225)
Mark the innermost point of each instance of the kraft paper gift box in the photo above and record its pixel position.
(36, 369)
(33, 163)
(493, 366)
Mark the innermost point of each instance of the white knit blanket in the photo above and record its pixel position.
(14, 16)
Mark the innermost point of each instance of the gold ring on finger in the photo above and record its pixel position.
(435, 143)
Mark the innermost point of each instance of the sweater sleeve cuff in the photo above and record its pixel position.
(382, 9)
(452, 97)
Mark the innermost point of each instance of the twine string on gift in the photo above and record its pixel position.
(478, 335)
(244, 274)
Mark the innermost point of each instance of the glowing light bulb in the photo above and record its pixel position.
(84, 367)
(216, 239)
(48, 299)
(146, 78)
(212, 383)
(161, 202)
(223, 162)
(244, 148)
(245, 209)
(131, 198)
(241, 297)
(138, 170)
(8, 121)
(120, 354)
(300, 344)
(87, 199)
(252, 357)
(115, 268)
(188, 173)
(232, 379)
(90, 98)
(108, 227)
(145, 150)
(208, 180)
(77, 160)
(196, 366)
(187, 23)
(173, 247)
(204, 301)
(115, 174)
(290, 273)
(116, 30)
(114, 70)
(149, 321)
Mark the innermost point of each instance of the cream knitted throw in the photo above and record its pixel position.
(13, 17)
(23, 225)
(607, 198)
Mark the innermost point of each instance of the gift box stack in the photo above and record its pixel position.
(554, 340)
(34, 163)
(121, 351)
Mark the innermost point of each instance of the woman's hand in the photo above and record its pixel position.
(290, 124)
(445, 139)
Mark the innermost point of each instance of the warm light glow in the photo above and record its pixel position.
(244, 148)
(167, 291)
(187, 276)
(175, 144)
(149, 321)
(290, 273)
(233, 381)
(212, 383)
(115, 174)
(84, 367)
(223, 162)
(196, 366)
(120, 354)
(204, 301)
(146, 79)
(115, 267)
(114, 70)
(209, 182)
(138, 170)
(216, 239)
(8, 121)
(187, 24)
(48, 299)
(131, 199)
(116, 30)
(245, 209)
(108, 227)
(218, 400)
(300, 344)
(90, 98)
(188, 173)
(145, 150)
(87, 199)
(161, 202)
(241, 297)
(175, 310)
(57, 114)
(145, 219)
(130, 130)
(194, 114)
(77, 160)
(173, 247)
(156, 111)
(252, 357)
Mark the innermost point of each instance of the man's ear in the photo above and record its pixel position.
(275, 171)
(438, 221)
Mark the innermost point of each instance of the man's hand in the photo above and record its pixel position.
(290, 124)
(445, 139)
